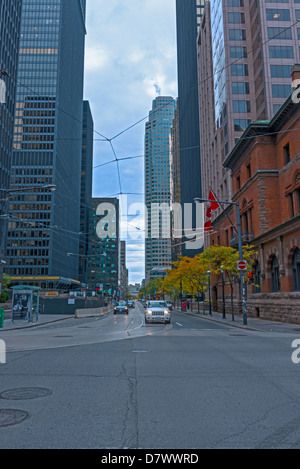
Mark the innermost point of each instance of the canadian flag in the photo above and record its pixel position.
(213, 205)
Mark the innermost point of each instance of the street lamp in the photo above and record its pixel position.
(209, 293)
(238, 220)
(223, 292)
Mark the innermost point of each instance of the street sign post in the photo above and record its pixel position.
(242, 265)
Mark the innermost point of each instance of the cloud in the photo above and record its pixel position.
(130, 57)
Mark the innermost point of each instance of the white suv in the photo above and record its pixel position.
(157, 311)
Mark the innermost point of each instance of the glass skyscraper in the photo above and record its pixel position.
(10, 15)
(47, 145)
(157, 186)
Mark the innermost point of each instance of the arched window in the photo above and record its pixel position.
(296, 270)
(275, 275)
(257, 278)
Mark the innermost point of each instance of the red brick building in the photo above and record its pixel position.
(265, 171)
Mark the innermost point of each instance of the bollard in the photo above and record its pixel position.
(2, 315)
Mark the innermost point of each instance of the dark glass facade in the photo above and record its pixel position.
(86, 187)
(104, 246)
(10, 15)
(188, 16)
(47, 145)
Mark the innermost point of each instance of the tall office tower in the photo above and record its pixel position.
(245, 54)
(86, 187)
(104, 245)
(48, 140)
(10, 15)
(175, 186)
(188, 18)
(157, 187)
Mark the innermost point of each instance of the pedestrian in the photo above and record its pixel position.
(188, 304)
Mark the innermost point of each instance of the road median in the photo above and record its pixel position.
(93, 312)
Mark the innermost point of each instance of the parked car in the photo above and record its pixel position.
(121, 307)
(169, 305)
(157, 311)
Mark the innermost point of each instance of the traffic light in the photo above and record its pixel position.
(250, 278)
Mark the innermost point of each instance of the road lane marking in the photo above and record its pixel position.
(178, 323)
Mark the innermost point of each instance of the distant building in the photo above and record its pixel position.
(157, 187)
(103, 256)
(47, 144)
(134, 289)
(265, 168)
(86, 186)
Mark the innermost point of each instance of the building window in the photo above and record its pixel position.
(241, 124)
(238, 182)
(291, 205)
(240, 87)
(278, 14)
(281, 52)
(257, 278)
(238, 52)
(237, 34)
(280, 33)
(235, 3)
(275, 275)
(236, 17)
(281, 91)
(241, 106)
(286, 153)
(296, 270)
(248, 170)
(240, 70)
(280, 71)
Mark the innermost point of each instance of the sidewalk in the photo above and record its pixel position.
(42, 320)
(253, 324)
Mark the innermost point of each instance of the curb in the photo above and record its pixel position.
(219, 321)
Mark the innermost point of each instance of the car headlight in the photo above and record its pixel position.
(149, 311)
(166, 311)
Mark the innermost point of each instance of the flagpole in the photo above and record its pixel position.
(220, 204)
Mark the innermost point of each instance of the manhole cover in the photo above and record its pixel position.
(239, 335)
(63, 336)
(12, 416)
(25, 393)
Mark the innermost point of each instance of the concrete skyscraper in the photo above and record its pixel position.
(157, 186)
(246, 51)
(47, 143)
(188, 18)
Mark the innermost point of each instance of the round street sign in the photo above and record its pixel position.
(242, 265)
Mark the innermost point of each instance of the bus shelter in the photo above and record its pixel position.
(25, 303)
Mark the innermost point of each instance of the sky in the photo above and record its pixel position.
(130, 59)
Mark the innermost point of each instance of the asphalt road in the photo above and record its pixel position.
(116, 383)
